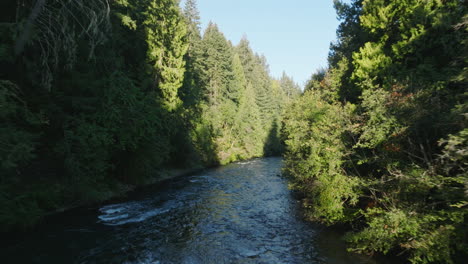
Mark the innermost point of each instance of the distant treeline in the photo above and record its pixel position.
(379, 140)
(98, 95)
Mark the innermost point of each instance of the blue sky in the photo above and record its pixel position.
(293, 35)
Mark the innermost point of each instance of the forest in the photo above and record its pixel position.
(99, 96)
(378, 142)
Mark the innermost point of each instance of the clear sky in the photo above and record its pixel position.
(294, 35)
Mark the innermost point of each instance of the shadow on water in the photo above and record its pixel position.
(329, 241)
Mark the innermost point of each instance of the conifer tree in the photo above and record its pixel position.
(400, 63)
(289, 87)
(130, 87)
(191, 91)
(250, 124)
(247, 58)
(192, 17)
(165, 34)
(216, 64)
(236, 89)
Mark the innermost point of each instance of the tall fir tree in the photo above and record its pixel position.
(167, 45)
(191, 91)
(216, 64)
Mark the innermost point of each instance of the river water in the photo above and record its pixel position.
(240, 213)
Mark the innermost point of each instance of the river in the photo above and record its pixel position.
(239, 213)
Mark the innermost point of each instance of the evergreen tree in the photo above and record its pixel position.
(400, 63)
(101, 113)
(289, 87)
(249, 125)
(166, 47)
(106, 93)
(192, 16)
(216, 63)
(191, 91)
(246, 56)
(236, 89)
(262, 84)
(350, 37)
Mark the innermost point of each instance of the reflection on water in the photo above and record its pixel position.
(240, 213)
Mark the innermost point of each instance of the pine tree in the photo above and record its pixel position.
(390, 150)
(192, 17)
(216, 64)
(236, 88)
(191, 92)
(165, 35)
(247, 58)
(350, 37)
(289, 87)
(249, 124)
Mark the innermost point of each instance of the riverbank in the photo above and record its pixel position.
(126, 189)
(239, 213)
(46, 194)
(42, 199)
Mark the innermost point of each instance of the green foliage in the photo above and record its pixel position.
(429, 237)
(191, 92)
(97, 96)
(19, 211)
(109, 113)
(217, 65)
(237, 86)
(249, 126)
(165, 37)
(380, 122)
(17, 145)
(238, 113)
(401, 153)
(369, 61)
(289, 87)
(202, 137)
(351, 37)
(192, 17)
(454, 156)
(314, 130)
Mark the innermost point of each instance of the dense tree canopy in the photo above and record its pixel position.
(99, 95)
(382, 142)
